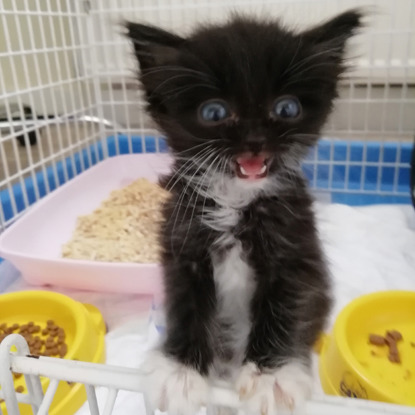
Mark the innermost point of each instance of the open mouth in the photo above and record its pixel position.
(251, 167)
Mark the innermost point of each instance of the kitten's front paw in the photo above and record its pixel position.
(256, 390)
(284, 391)
(294, 385)
(172, 387)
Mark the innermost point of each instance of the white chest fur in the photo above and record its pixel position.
(234, 288)
(234, 279)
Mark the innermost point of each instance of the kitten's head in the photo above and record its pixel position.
(248, 97)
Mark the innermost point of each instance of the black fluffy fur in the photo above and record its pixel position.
(248, 63)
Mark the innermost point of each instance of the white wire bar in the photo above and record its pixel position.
(120, 378)
(92, 400)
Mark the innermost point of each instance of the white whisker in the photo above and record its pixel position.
(189, 163)
(195, 190)
(184, 191)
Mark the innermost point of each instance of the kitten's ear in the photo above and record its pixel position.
(335, 32)
(153, 46)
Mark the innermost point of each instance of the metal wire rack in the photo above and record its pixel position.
(117, 378)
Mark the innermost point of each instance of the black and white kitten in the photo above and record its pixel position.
(246, 286)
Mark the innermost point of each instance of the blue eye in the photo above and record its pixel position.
(213, 112)
(287, 108)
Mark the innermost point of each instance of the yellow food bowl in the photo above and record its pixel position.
(351, 366)
(84, 329)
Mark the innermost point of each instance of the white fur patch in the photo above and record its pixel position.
(282, 392)
(172, 387)
(232, 192)
(234, 289)
(232, 195)
(222, 219)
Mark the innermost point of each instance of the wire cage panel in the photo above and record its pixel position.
(382, 56)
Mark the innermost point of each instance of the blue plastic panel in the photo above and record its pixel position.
(355, 173)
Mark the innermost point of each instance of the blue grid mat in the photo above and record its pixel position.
(361, 173)
(355, 173)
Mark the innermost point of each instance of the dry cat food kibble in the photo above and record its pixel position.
(394, 334)
(390, 339)
(52, 343)
(123, 229)
(394, 353)
(377, 340)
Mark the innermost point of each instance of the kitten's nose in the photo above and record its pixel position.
(255, 143)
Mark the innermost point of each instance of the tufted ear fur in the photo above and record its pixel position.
(153, 46)
(333, 34)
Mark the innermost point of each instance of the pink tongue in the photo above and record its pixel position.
(251, 165)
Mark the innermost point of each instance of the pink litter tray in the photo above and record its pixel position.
(33, 244)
